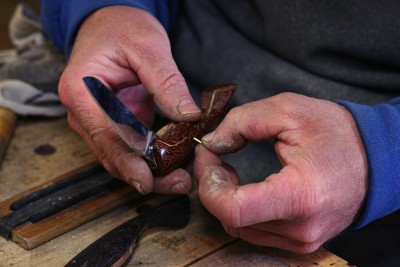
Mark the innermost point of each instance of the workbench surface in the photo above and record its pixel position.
(43, 149)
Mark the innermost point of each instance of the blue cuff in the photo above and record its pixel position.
(61, 18)
(379, 127)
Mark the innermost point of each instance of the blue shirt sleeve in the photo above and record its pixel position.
(61, 18)
(379, 128)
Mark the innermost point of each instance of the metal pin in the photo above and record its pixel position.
(197, 140)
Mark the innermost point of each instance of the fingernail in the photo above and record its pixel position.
(214, 180)
(208, 137)
(187, 106)
(178, 188)
(138, 187)
(216, 176)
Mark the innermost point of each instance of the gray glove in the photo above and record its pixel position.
(24, 99)
(29, 74)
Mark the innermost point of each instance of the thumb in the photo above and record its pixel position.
(240, 206)
(170, 92)
(160, 75)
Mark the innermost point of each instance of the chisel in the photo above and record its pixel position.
(8, 121)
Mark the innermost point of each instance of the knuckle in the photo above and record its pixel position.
(234, 113)
(287, 97)
(148, 45)
(286, 100)
(140, 172)
(248, 122)
(97, 135)
(309, 234)
(232, 231)
(291, 107)
(172, 84)
(307, 248)
(233, 118)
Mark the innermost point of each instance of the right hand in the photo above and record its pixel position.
(129, 50)
(320, 189)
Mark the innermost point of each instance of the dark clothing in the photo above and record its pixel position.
(326, 49)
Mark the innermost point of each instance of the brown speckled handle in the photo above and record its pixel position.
(175, 145)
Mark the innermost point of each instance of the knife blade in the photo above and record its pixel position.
(131, 130)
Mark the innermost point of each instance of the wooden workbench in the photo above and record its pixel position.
(30, 161)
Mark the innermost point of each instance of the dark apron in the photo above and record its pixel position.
(335, 50)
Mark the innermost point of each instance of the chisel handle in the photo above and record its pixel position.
(8, 121)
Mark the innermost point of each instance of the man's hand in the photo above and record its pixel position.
(318, 192)
(129, 51)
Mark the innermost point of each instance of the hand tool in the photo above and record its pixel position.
(39, 215)
(129, 128)
(116, 247)
(173, 145)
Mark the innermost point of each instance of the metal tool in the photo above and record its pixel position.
(57, 197)
(173, 145)
(129, 128)
(115, 247)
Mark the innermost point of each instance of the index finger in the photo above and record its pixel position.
(99, 132)
(256, 121)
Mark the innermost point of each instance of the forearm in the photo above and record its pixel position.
(379, 128)
(61, 19)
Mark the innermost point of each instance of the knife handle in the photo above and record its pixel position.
(8, 121)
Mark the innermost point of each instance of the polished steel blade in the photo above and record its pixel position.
(129, 128)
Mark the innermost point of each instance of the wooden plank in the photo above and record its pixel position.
(60, 250)
(321, 257)
(24, 167)
(5, 205)
(70, 156)
(240, 253)
(29, 235)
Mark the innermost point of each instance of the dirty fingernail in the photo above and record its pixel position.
(187, 106)
(208, 137)
(179, 188)
(138, 187)
(215, 176)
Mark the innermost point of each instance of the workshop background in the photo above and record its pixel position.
(7, 8)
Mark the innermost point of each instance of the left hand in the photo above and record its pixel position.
(319, 191)
(129, 51)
